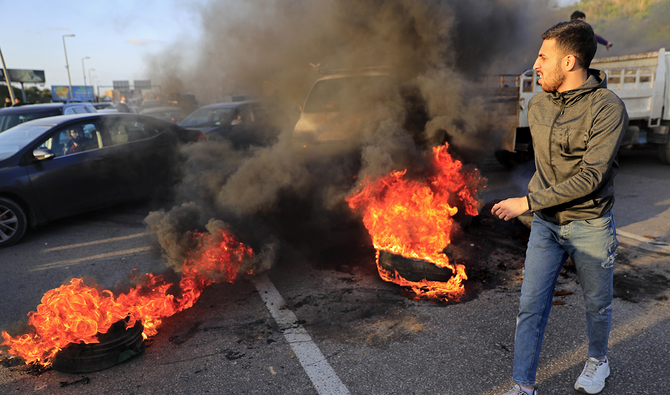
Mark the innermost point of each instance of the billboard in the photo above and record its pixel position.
(121, 85)
(79, 93)
(142, 84)
(16, 75)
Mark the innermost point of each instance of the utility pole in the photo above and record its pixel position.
(7, 79)
(67, 65)
(84, 70)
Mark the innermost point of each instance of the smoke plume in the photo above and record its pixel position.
(437, 51)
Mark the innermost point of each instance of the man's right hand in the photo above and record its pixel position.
(510, 208)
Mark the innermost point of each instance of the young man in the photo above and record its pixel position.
(577, 126)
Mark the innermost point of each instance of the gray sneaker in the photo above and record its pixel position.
(592, 379)
(516, 390)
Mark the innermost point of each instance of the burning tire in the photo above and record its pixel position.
(116, 346)
(413, 269)
(13, 222)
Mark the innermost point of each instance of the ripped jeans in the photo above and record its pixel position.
(591, 244)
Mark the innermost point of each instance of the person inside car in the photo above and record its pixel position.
(78, 141)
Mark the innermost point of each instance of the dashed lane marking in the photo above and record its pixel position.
(316, 366)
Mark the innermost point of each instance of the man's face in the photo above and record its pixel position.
(74, 133)
(548, 67)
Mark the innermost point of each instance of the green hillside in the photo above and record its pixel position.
(633, 25)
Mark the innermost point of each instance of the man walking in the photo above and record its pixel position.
(577, 126)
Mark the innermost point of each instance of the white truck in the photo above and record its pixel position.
(642, 81)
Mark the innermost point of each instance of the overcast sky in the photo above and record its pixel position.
(116, 35)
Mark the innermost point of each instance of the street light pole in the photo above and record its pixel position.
(7, 79)
(92, 85)
(84, 70)
(67, 65)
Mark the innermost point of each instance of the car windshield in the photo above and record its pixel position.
(12, 140)
(10, 120)
(207, 117)
(352, 93)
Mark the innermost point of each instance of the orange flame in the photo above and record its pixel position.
(76, 312)
(414, 218)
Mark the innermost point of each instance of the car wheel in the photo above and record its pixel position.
(664, 153)
(13, 222)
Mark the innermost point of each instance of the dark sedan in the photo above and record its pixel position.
(244, 124)
(170, 114)
(60, 166)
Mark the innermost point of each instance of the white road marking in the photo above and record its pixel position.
(648, 244)
(316, 366)
(68, 262)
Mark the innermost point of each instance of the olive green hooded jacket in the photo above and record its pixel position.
(576, 135)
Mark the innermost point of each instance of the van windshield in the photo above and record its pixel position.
(351, 93)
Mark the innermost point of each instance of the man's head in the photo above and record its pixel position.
(566, 54)
(75, 132)
(578, 15)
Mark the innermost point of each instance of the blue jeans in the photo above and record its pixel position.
(591, 244)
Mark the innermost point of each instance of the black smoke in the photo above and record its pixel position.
(438, 50)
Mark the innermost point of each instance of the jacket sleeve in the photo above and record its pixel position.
(601, 40)
(609, 125)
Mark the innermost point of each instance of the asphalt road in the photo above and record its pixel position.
(322, 322)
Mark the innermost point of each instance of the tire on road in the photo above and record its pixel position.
(13, 222)
(413, 269)
(116, 346)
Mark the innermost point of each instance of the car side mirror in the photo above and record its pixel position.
(43, 154)
(237, 122)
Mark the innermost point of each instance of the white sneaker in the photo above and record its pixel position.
(516, 390)
(592, 379)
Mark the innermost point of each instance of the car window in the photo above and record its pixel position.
(207, 117)
(74, 138)
(69, 110)
(352, 93)
(14, 139)
(80, 110)
(245, 115)
(126, 130)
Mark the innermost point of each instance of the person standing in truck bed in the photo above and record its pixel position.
(582, 17)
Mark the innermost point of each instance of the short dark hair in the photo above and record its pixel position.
(574, 38)
(578, 15)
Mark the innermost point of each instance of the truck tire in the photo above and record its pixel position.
(664, 152)
(13, 222)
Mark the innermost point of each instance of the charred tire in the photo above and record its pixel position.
(116, 346)
(664, 152)
(413, 269)
(13, 222)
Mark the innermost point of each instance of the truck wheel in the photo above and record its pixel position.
(13, 222)
(664, 152)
